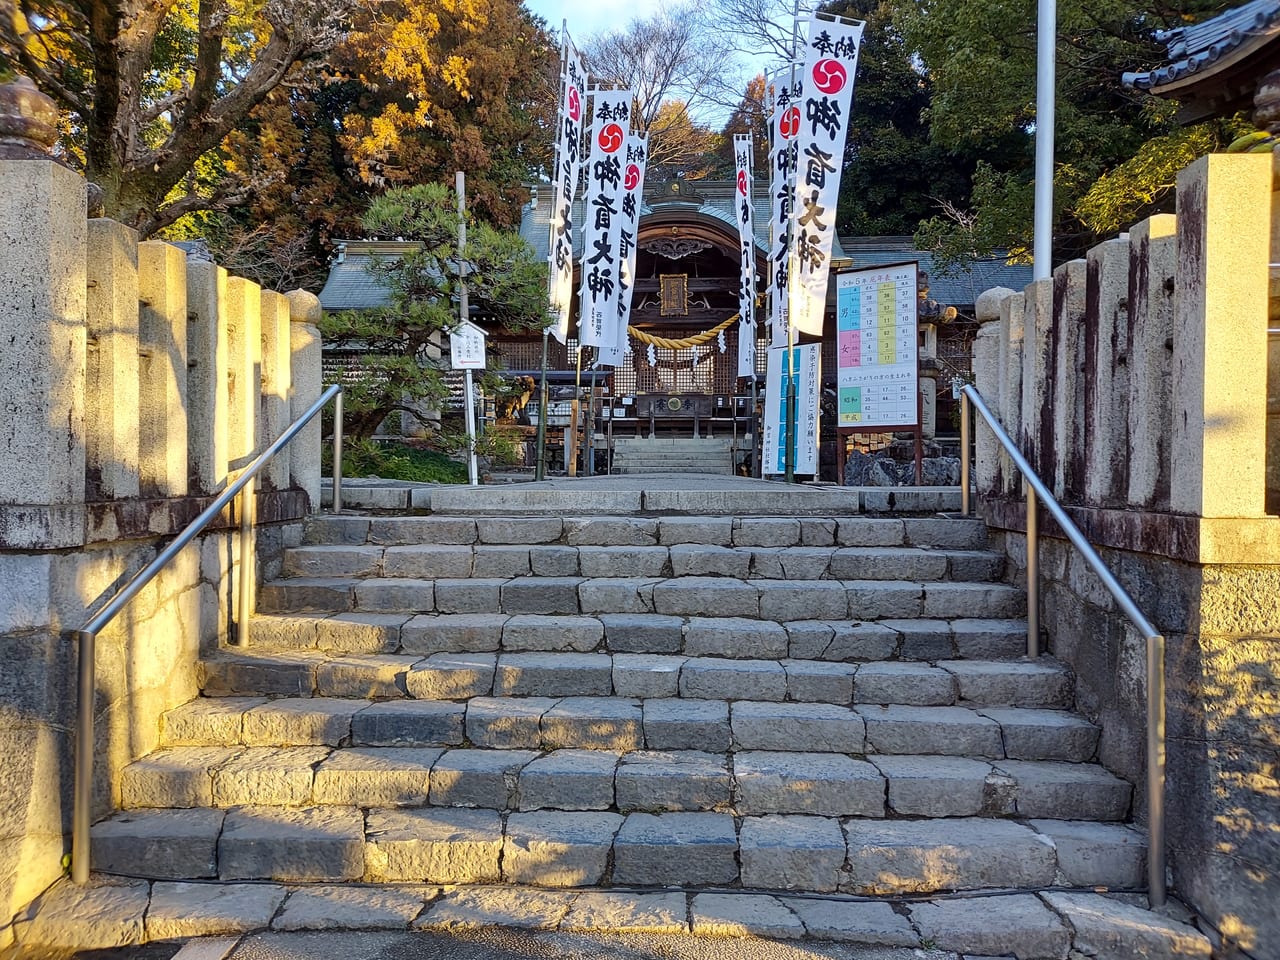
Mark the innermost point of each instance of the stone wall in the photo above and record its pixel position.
(1141, 384)
(133, 383)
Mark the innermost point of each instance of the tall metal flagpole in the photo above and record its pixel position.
(464, 311)
(1046, 38)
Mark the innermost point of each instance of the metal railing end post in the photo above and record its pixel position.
(1033, 575)
(965, 416)
(1155, 770)
(337, 452)
(82, 801)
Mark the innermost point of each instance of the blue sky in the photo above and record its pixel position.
(591, 16)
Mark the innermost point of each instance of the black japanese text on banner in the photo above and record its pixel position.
(784, 128)
(602, 216)
(633, 169)
(831, 58)
(742, 149)
(565, 187)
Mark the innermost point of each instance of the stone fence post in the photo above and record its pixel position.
(306, 387)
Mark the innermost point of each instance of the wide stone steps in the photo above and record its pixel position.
(553, 848)
(642, 531)
(543, 775)
(463, 675)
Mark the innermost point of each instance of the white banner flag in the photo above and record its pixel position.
(742, 149)
(784, 127)
(565, 185)
(831, 58)
(602, 216)
(633, 171)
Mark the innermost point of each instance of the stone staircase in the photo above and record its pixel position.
(704, 455)
(806, 703)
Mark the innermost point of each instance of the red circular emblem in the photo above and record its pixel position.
(789, 125)
(632, 178)
(610, 138)
(575, 105)
(742, 182)
(829, 76)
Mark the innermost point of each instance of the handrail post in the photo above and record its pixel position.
(965, 416)
(337, 453)
(1033, 576)
(82, 807)
(1155, 771)
(248, 555)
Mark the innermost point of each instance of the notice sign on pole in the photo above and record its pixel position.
(806, 365)
(878, 367)
(466, 347)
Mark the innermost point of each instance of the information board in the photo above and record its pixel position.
(466, 347)
(806, 365)
(878, 365)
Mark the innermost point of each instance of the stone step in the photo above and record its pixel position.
(109, 911)
(553, 848)
(387, 601)
(540, 716)
(613, 531)
(317, 564)
(718, 663)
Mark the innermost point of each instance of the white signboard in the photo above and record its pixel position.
(806, 364)
(601, 263)
(466, 347)
(878, 367)
(831, 57)
(573, 98)
(742, 149)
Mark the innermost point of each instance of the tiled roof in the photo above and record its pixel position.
(956, 288)
(1195, 47)
(352, 285)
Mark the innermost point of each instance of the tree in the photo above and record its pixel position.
(152, 88)
(506, 284)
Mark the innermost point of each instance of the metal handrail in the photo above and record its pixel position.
(88, 634)
(1154, 639)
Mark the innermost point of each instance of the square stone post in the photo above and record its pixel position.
(1106, 375)
(1153, 256)
(986, 375)
(111, 397)
(1012, 324)
(306, 387)
(1220, 337)
(162, 334)
(1066, 444)
(275, 417)
(244, 367)
(1037, 371)
(43, 233)
(207, 396)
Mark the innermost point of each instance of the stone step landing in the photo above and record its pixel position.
(464, 675)
(115, 912)
(750, 782)
(575, 849)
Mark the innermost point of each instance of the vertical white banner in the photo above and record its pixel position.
(784, 128)
(742, 150)
(568, 168)
(633, 170)
(602, 216)
(831, 58)
(806, 363)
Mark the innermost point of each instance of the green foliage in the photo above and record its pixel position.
(396, 461)
(398, 344)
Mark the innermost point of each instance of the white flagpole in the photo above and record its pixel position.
(1046, 37)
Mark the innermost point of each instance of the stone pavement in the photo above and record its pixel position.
(256, 921)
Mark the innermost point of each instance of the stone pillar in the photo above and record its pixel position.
(1220, 338)
(986, 372)
(244, 367)
(308, 378)
(1153, 256)
(1037, 372)
(1106, 374)
(43, 233)
(1012, 311)
(1065, 446)
(276, 359)
(207, 397)
(111, 396)
(162, 339)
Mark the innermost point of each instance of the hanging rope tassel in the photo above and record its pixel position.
(697, 340)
